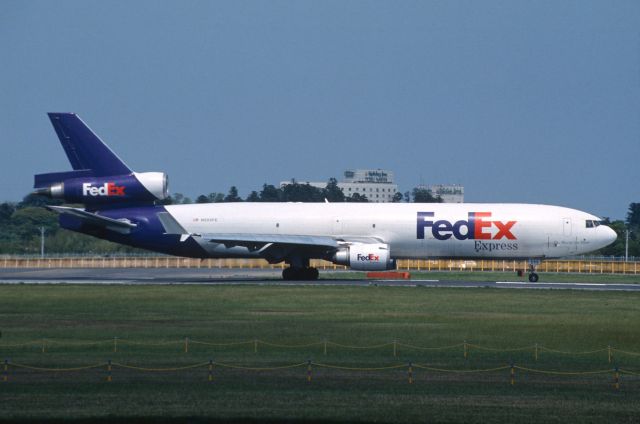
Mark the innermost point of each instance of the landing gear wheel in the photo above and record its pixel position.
(288, 274)
(304, 274)
(533, 263)
(311, 274)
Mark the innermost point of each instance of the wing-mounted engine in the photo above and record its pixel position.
(365, 257)
(81, 187)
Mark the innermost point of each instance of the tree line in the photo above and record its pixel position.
(20, 230)
(296, 192)
(21, 223)
(632, 225)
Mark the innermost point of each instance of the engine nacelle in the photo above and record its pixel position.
(131, 188)
(365, 257)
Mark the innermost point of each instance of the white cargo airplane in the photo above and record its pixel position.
(122, 206)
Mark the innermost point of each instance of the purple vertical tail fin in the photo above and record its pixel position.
(84, 149)
(99, 177)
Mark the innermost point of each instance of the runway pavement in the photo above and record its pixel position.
(256, 277)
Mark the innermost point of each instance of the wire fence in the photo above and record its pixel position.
(613, 375)
(117, 344)
(423, 370)
(146, 254)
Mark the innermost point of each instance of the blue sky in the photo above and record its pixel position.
(526, 101)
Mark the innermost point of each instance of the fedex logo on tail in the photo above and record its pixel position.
(107, 189)
(478, 226)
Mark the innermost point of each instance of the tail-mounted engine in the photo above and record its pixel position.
(99, 176)
(365, 257)
(144, 187)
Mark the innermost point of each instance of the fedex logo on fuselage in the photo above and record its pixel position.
(477, 227)
(107, 189)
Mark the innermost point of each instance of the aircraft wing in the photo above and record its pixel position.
(247, 240)
(273, 247)
(120, 226)
(276, 247)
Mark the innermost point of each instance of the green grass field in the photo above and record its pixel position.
(151, 323)
(545, 277)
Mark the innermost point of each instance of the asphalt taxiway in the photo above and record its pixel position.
(213, 276)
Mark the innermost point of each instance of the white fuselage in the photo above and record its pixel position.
(412, 230)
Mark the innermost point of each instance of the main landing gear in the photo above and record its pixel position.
(299, 269)
(305, 274)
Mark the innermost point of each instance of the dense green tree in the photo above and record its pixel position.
(357, 198)
(177, 198)
(35, 200)
(216, 197)
(397, 198)
(633, 216)
(332, 192)
(21, 234)
(27, 221)
(617, 247)
(633, 226)
(421, 195)
(270, 194)
(301, 193)
(202, 199)
(253, 197)
(6, 210)
(232, 196)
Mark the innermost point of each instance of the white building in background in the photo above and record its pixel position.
(379, 187)
(376, 184)
(450, 193)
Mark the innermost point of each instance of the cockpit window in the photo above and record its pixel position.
(592, 223)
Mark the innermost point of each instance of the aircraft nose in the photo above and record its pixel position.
(607, 235)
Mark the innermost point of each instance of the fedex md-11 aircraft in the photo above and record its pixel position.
(122, 206)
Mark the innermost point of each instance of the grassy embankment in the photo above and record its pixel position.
(560, 320)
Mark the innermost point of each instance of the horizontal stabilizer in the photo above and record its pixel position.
(123, 227)
(46, 180)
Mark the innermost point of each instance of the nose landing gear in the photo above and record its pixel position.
(533, 263)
